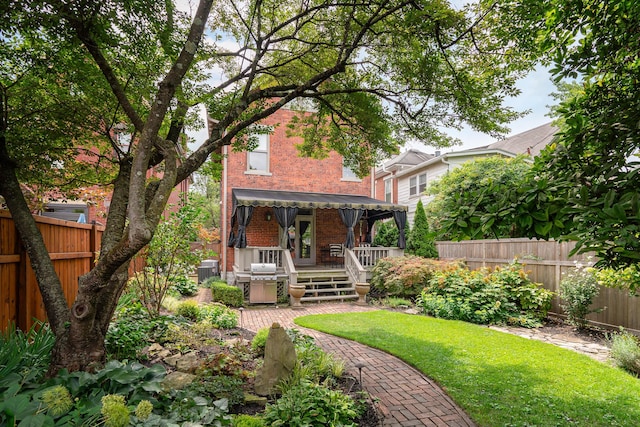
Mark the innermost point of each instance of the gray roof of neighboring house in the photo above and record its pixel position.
(530, 142)
(407, 159)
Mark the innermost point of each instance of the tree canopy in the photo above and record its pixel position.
(110, 87)
(585, 185)
(467, 200)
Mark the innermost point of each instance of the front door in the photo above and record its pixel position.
(302, 239)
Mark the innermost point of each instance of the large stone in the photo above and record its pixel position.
(177, 380)
(279, 361)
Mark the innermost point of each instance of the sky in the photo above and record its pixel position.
(535, 96)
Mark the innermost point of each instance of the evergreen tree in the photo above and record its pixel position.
(420, 240)
(386, 234)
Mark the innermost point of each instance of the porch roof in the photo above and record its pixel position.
(377, 209)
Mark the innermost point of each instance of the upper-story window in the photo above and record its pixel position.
(258, 159)
(348, 173)
(417, 184)
(388, 185)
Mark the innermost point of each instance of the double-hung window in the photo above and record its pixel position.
(417, 184)
(258, 159)
(388, 185)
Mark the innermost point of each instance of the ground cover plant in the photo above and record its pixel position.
(136, 392)
(497, 378)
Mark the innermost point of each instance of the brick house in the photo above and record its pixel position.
(290, 212)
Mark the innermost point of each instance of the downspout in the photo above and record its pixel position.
(224, 202)
(442, 159)
(373, 182)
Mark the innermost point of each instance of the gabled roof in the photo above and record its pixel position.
(407, 159)
(529, 142)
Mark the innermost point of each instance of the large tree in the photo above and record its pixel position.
(585, 185)
(78, 75)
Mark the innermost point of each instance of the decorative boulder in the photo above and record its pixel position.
(279, 361)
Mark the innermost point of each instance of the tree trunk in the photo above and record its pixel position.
(80, 346)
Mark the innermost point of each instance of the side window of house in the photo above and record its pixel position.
(417, 184)
(422, 183)
(348, 174)
(387, 190)
(258, 159)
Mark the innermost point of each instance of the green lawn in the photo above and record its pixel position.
(498, 378)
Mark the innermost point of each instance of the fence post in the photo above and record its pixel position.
(93, 243)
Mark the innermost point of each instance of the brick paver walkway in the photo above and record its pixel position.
(407, 398)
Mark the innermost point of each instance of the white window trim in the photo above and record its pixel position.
(266, 171)
(416, 177)
(390, 183)
(353, 178)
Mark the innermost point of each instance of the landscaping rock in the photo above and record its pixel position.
(279, 361)
(177, 380)
(252, 399)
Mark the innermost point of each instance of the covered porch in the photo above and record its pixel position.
(319, 239)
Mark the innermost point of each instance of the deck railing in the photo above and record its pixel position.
(368, 256)
(356, 272)
(253, 254)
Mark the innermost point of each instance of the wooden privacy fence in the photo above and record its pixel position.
(72, 248)
(546, 261)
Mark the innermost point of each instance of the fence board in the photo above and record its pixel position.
(73, 249)
(546, 262)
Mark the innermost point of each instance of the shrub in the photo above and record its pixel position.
(502, 296)
(184, 286)
(247, 421)
(226, 294)
(189, 310)
(627, 278)
(219, 316)
(578, 288)
(403, 277)
(386, 234)
(308, 404)
(625, 352)
(260, 340)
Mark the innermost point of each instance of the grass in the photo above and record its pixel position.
(499, 379)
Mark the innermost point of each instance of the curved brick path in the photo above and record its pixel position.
(407, 398)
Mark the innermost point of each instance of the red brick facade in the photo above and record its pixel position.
(288, 171)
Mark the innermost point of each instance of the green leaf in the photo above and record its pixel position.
(39, 420)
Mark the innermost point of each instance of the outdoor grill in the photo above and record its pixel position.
(263, 286)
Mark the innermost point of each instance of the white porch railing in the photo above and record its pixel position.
(368, 256)
(254, 254)
(356, 272)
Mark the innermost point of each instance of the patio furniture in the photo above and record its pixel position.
(336, 254)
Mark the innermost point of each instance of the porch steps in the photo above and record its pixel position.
(326, 285)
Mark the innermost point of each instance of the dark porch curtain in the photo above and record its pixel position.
(401, 221)
(367, 237)
(350, 218)
(244, 218)
(285, 217)
(232, 237)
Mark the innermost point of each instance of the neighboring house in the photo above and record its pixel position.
(93, 202)
(308, 218)
(408, 183)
